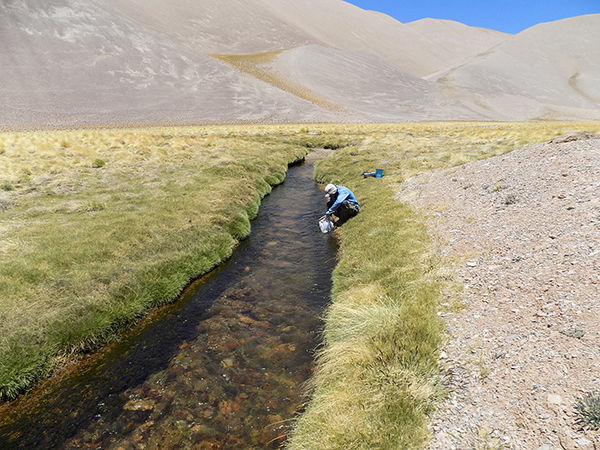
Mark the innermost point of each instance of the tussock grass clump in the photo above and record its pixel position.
(588, 409)
(98, 163)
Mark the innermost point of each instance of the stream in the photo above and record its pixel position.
(222, 368)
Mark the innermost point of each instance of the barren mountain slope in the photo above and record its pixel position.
(546, 69)
(253, 26)
(523, 234)
(101, 62)
(368, 85)
(343, 26)
(77, 62)
(83, 62)
(460, 41)
(216, 26)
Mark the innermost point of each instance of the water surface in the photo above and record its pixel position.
(223, 368)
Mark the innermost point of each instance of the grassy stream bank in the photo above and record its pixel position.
(97, 227)
(377, 376)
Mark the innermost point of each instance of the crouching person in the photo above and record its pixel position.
(341, 204)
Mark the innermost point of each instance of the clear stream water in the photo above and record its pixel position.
(223, 368)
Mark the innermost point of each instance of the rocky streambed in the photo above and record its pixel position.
(222, 368)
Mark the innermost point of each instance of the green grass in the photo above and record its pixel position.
(88, 248)
(97, 227)
(377, 376)
(588, 412)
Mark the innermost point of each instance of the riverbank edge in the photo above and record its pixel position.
(234, 231)
(377, 375)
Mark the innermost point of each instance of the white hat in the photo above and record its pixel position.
(330, 189)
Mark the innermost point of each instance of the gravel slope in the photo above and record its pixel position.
(523, 234)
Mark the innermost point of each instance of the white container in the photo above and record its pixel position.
(325, 224)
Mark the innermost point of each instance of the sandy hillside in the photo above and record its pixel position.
(523, 234)
(78, 63)
(114, 62)
(254, 26)
(381, 91)
(461, 43)
(546, 70)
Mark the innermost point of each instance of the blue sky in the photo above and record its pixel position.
(509, 16)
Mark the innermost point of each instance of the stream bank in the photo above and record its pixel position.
(222, 368)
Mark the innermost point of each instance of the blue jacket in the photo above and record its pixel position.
(343, 193)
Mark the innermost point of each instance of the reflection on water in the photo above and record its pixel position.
(221, 369)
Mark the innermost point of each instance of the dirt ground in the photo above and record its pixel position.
(522, 235)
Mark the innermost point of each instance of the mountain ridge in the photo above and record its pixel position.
(109, 62)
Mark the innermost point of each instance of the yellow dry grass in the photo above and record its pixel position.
(377, 377)
(99, 226)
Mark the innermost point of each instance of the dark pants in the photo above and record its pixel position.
(343, 212)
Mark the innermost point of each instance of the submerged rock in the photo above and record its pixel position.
(139, 405)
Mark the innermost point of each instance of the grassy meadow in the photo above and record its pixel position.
(98, 227)
(377, 376)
